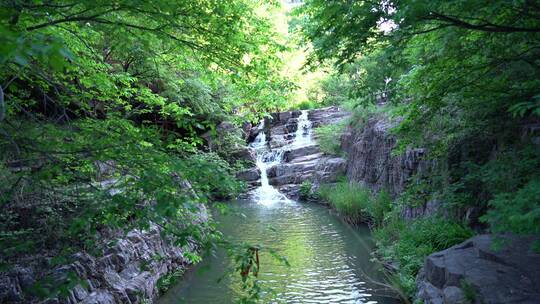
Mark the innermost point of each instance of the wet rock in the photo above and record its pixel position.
(509, 275)
(276, 143)
(294, 178)
(291, 155)
(291, 127)
(249, 175)
(246, 130)
(246, 154)
(292, 191)
(253, 132)
(271, 172)
(329, 169)
(284, 116)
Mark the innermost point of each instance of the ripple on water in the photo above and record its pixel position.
(329, 260)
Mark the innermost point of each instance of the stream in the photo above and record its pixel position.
(329, 259)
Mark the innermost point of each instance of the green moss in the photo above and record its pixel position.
(306, 191)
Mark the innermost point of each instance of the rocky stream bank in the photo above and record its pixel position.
(469, 272)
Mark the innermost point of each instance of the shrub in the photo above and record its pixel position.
(305, 105)
(380, 206)
(349, 199)
(306, 190)
(328, 138)
(356, 203)
(517, 212)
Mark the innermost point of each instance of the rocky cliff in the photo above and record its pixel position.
(370, 162)
(128, 272)
(471, 272)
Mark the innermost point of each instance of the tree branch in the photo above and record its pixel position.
(70, 19)
(486, 27)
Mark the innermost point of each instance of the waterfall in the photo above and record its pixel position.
(266, 158)
(303, 132)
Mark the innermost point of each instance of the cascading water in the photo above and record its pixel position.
(303, 132)
(266, 158)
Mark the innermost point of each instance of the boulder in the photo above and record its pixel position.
(291, 155)
(473, 270)
(329, 169)
(292, 191)
(246, 130)
(249, 175)
(246, 154)
(253, 132)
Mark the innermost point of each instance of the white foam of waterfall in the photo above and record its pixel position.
(266, 194)
(303, 132)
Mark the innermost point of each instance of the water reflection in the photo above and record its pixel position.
(330, 261)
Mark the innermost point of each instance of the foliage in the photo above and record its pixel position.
(380, 206)
(306, 190)
(357, 203)
(95, 175)
(409, 243)
(305, 105)
(349, 199)
(329, 138)
(227, 143)
(246, 257)
(462, 76)
(102, 110)
(131, 73)
(361, 114)
(167, 281)
(517, 212)
(469, 291)
(430, 76)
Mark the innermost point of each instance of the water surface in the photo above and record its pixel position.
(329, 260)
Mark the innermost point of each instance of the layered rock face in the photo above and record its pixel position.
(370, 160)
(128, 272)
(472, 272)
(300, 163)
